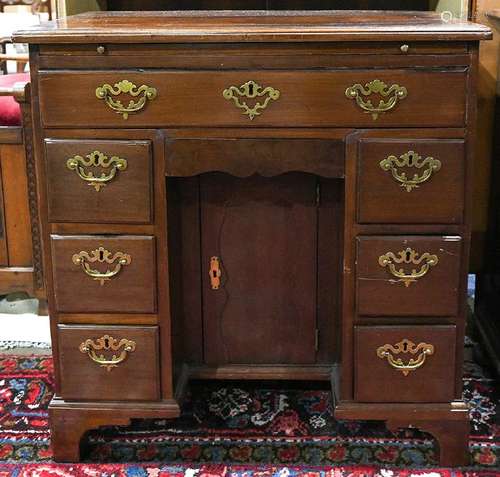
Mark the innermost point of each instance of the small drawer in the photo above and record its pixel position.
(98, 181)
(408, 275)
(404, 363)
(411, 181)
(109, 363)
(115, 274)
(254, 98)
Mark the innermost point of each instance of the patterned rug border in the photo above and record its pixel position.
(159, 469)
(476, 440)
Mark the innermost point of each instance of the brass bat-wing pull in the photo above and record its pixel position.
(405, 346)
(393, 93)
(107, 93)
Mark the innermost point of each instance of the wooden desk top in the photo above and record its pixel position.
(251, 26)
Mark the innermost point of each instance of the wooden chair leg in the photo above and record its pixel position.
(43, 308)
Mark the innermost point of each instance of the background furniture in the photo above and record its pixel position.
(21, 59)
(488, 288)
(36, 6)
(226, 205)
(20, 248)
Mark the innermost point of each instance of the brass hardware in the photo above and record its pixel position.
(101, 49)
(107, 343)
(393, 92)
(96, 159)
(410, 159)
(404, 48)
(251, 90)
(215, 273)
(405, 346)
(101, 255)
(106, 92)
(408, 256)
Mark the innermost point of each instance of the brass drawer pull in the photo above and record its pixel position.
(405, 346)
(378, 87)
(101, 255)
(251, 90)
(96, 159)
(408, 256)
(106, 92)
(107, 343)
(414, 160)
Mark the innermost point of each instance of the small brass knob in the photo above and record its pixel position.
(101, 49)
(404, 48)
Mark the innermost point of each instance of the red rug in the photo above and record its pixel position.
(159, 470)
(238, 423)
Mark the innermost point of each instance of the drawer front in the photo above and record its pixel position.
(244, 157)
(285, 98)
(408, 275)
(95, 274)
(404, 363)
(411, 181)
(112, 363)
(98, 181)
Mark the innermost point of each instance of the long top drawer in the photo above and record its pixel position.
(356, 98)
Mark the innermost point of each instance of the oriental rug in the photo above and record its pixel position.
(247, 423)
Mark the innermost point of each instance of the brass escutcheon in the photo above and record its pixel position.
(101, 255)
(107, 343)
(251, 90)
(394, 93)
(106, 92)
(412, 160)
(405, 346)
(408, 256)
(215, 273)
(96, 159)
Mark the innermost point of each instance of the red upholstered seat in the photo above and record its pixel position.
(10, 112)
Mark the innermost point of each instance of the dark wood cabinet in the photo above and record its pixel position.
(294, 204)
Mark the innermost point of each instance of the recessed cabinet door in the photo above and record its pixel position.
(259, 261)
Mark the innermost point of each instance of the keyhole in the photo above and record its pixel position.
(214, 273)
(405, 346)
(408, 255)
(101, 255)
(250, 89)
(106, 342)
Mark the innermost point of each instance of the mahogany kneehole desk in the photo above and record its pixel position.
(250, 196)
